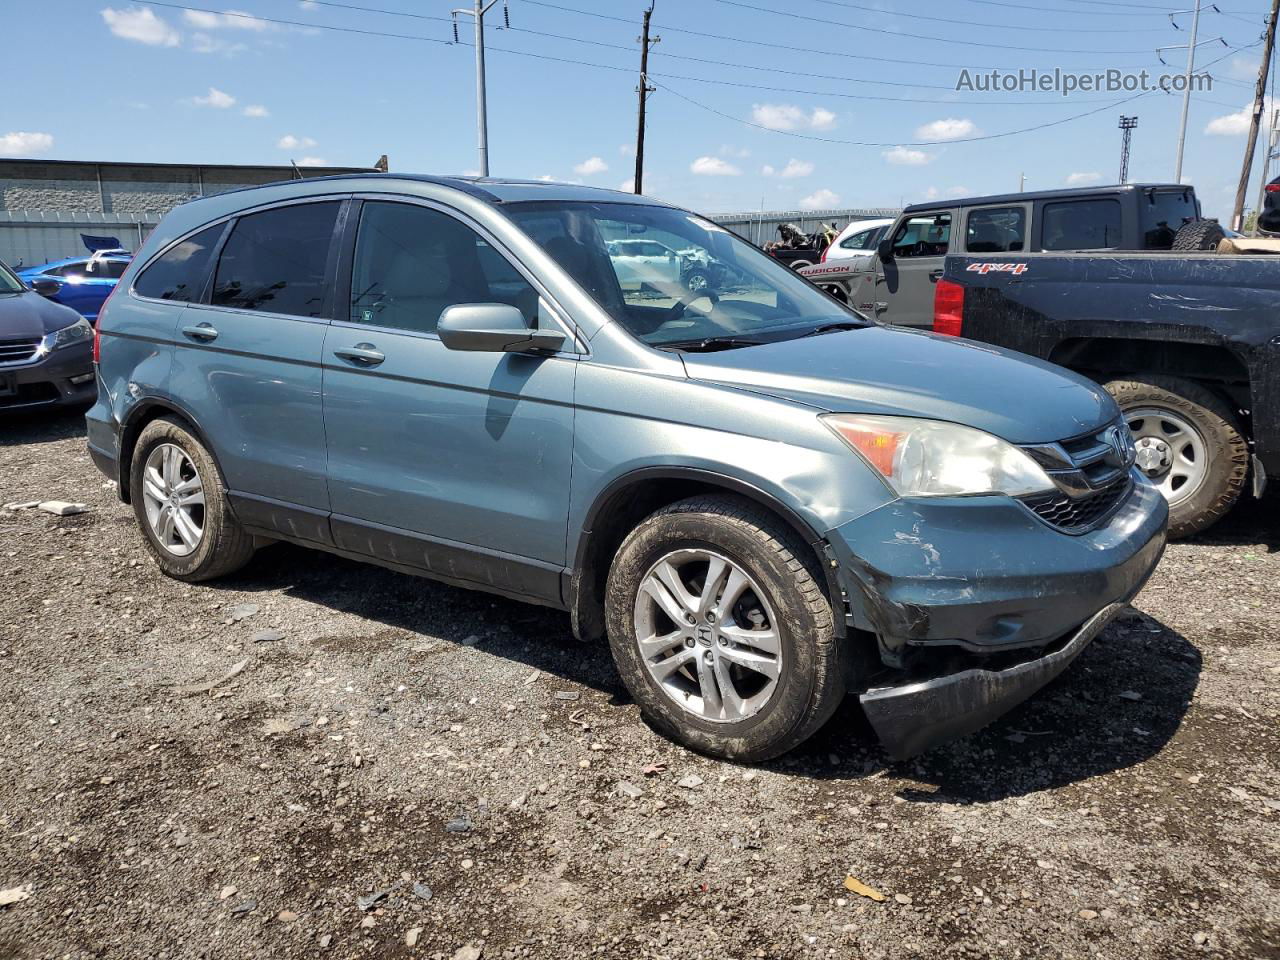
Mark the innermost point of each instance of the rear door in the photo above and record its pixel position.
(920, 245)
(450, 461)
(248, 363)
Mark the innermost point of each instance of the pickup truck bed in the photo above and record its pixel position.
(1184, 342)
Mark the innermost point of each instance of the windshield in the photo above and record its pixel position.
(8, 282)
(673, 278)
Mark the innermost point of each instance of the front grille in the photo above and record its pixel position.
(17, 351)
(30, 394)
(1079, 514)
(1091, 473)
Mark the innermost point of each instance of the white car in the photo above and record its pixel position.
(858, 239)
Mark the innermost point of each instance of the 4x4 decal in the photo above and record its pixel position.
(1017, 268)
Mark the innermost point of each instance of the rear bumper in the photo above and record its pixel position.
(977, 603)
(62, 379)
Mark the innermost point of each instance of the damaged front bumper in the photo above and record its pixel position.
(976, 604)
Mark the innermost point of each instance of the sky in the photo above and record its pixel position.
(774, 104)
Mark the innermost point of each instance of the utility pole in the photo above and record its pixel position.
(1127, 125)
(1186, 77)
(482, 109)
(1259, 98)
(644, 90)
(1022, 182)
(1274, 133)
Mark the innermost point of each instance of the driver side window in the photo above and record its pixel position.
(927, 235)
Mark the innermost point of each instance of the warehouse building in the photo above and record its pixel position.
(45, 205)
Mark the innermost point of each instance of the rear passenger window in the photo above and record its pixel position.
(413, 262)
(179, 274)
(1081, 225)
(996, 230)
(275, 261)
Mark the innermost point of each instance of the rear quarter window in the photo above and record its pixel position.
(1081, 225)
(179, 273)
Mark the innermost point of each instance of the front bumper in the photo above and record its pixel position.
(61, 379)
(977, 603)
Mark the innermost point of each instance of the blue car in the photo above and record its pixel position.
(84, 282)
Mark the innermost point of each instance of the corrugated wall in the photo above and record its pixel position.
(32, 237)
(761, 227)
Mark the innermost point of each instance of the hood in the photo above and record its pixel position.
(912, 373)
(28, 315)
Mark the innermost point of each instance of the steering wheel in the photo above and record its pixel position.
(677, 309)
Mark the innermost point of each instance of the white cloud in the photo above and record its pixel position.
(820, 199)
(948, 129)
(141, 25)
(471, 173)
(1082, 179)
(713, 167)
(785, 116)
(796, 168)
(19, 143)
(931, 193)
(216, 99)
(590, 166)
(547, 178)
(231, 20)
(767, 170)
(628, 185)
(906, 157)
(627, 150)
(290, 142)
(1232, 124)
(312, 162)
(256, 110)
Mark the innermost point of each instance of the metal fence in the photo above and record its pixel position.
(32, 237)
(762, 226)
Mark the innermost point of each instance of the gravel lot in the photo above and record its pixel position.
(465, 755)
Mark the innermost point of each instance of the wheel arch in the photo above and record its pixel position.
(142, 413)
(628, 499)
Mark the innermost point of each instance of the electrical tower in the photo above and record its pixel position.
(1127, 124)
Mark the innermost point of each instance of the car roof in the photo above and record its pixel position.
(489, 189)
(84, 258)
(1064, 194)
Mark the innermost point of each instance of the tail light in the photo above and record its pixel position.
(1273, 188)
(97, 326)
(948, 308)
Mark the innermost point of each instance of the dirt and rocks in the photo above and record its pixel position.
(316, 758)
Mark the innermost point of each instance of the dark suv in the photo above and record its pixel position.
(45, 350)
(762, 499)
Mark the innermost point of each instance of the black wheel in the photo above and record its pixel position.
(1189, 445)
(1199, 235)
(181, 505)
(721, 631)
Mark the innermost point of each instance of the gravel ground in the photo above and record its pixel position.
(486, 780)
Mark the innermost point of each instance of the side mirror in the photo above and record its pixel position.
(493, 328)
(46, 287)
(884, 250)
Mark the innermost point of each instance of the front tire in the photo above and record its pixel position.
(1188, 445)
(181, 505)
(721, 631)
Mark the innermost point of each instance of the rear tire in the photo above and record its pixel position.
(1211, 432)
(808, 671)
(1199, 235)
(222, 546)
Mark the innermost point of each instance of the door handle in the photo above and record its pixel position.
(935, 275)
(362, 354)
(201, 331)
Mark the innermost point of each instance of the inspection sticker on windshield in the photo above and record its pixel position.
(1017, 268)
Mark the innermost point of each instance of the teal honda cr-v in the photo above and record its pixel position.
(762, 499)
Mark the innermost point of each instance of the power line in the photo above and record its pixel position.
(826, 22)
(790, 48)
(847, 5)
(1097, 13)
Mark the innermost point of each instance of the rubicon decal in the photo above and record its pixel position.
(1017, 268)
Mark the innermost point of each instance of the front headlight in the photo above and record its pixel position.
(78, 332)
(931, 458)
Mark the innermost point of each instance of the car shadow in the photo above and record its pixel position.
(20, 429)
(1251, 522)
(1117, 705)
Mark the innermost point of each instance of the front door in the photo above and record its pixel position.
(907, 281)
(449, 461)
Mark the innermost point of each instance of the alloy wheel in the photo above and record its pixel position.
(173, 495)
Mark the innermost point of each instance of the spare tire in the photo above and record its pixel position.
(1199, 235)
